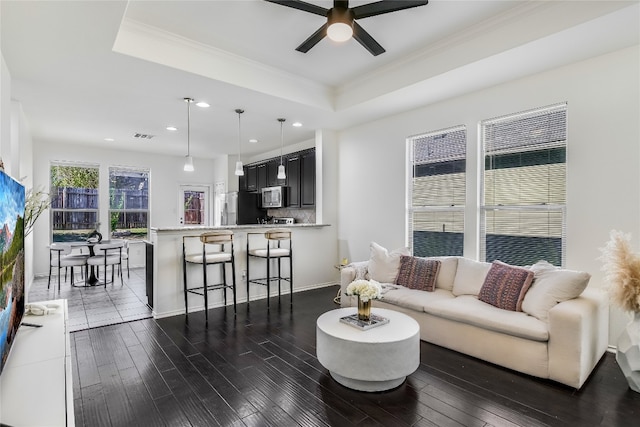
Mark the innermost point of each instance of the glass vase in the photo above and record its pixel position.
(364, 310)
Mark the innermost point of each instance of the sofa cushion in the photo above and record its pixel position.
(505, 286)
(418, 273)
(384, 265)
(447, 273)
(468, 309)
(552, 285)
(470, 276)
(415, 299)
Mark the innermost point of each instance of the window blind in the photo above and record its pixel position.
(437, 192)
(524, 187)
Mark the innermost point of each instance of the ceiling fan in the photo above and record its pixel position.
(341, 21)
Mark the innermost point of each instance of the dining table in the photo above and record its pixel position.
(92, 279)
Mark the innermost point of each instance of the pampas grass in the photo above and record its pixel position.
(622, 271)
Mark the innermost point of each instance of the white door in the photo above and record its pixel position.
(194, 205)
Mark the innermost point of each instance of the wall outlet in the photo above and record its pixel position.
(244, 275)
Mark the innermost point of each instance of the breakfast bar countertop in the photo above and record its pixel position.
(313, 262)
(236, 227)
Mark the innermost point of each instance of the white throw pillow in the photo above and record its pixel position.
(384, 265)
(552, 285)
(448, 267)
(470, 276)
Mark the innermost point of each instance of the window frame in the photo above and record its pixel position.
(454, 209)
(111, 210)
(526, 209)
(63, 210)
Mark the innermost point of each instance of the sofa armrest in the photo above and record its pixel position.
(347, 275)
(578, 337)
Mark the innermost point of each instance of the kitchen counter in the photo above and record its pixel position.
(203, 228)
(315, 252)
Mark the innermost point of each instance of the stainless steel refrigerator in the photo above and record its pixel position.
(241, 207)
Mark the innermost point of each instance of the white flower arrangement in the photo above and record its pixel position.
(365, 289)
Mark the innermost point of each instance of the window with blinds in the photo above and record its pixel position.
(524, 187)
(437, 192)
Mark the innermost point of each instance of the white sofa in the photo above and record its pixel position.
(563, 341)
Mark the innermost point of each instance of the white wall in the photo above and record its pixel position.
(166, 175)
(603, 182)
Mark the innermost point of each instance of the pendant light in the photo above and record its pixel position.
(188, 164)
(281, 174)
(239, 169)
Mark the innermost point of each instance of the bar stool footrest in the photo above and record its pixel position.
(216, 287)
(263, 281)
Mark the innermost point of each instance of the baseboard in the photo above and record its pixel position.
(157, 315)
(612, 348)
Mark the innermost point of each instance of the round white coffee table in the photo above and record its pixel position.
(377, 359)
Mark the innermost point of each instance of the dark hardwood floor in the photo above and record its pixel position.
(259, 368)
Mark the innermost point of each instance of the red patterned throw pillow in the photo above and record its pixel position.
(418, 273)
(505, 286)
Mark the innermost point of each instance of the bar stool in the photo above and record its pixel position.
(273, 250)
(214, 244)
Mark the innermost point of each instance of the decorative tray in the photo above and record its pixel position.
(353, 320)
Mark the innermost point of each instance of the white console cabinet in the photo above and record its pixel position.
(35, 385)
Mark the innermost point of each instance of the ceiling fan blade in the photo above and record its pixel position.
(301, 5)
(366, 40)
(313, 39)
(387, 6)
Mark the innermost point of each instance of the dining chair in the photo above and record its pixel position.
(107, 254)
(60, 256)
(125, 256)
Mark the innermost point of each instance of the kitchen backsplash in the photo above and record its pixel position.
(301, 216)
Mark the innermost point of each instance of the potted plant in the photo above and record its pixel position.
(621, 266)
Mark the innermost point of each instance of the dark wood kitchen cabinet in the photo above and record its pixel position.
(300, 168)
(293, 181)
(262, 176)
(250, 178)
(272, 173)
(308, 178)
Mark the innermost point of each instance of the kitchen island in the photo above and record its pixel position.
(314, 255)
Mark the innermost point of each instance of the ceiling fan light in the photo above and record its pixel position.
(188, 164)
(239, 169)
(340, 20)
(281, 174)
(340, 32)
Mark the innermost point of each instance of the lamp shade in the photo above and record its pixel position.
(239, 169)
(188, 164)
(281, 174)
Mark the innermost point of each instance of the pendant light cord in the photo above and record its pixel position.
(239, 111)
(281, 120)
(189, 127)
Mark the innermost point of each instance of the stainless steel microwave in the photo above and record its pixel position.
(273, 197)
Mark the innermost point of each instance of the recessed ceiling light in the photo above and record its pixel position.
(253, 140)
(172, 128)
(296, 124)
(202, 104)
(109, 139)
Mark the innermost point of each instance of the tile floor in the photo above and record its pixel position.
(96, 306)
